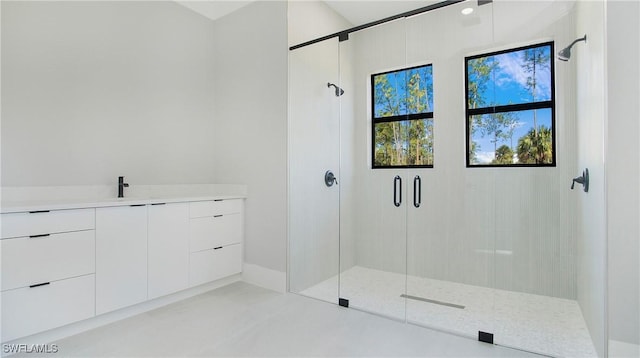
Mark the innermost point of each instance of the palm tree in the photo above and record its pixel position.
(536, 148)
(504, 155)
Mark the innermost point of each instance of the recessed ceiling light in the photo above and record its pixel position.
(467, 10)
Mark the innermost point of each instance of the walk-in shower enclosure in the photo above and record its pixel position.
(453, 144)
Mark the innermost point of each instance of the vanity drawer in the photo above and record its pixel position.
(210, 265)
(29, 261)
(200, 209)
(38, 223)
(28, 310)
(209, 232)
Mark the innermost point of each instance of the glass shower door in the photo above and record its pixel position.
(373, 262)
(451, 233)
(373, 201)
(314, 156)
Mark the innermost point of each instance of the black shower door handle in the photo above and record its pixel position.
(417, 191)
(397, 191)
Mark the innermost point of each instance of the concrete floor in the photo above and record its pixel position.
(244, 320)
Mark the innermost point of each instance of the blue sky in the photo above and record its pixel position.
(510, 79)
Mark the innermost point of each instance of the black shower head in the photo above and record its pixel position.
(339, 91)
(565, 53)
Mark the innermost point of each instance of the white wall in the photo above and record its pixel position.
(94, 90)
(623, 187)
(250, 140)
(0, 159)
(590, 63)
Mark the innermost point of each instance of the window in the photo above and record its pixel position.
(510, 107)
(402, 107)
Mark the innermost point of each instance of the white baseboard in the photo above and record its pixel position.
(56, 334)
(618, 349)
(264, 277)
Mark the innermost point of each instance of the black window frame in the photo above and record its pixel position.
(400, 118)
(550, 104)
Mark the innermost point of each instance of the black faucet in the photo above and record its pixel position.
(121, 186)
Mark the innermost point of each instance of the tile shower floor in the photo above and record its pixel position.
(540, 324)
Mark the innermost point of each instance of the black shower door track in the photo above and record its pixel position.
(344, 34)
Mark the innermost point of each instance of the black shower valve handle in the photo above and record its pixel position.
(583, 179)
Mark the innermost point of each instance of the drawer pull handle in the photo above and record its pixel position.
(134, 205)
(159, 204)
(38, 211)
(217, 248)
(217, 216)
(218, 200)
(40, 284)
(36, 236)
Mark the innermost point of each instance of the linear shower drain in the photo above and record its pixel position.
(432, 301)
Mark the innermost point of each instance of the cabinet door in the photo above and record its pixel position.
(210, 265)
(30, 310)
(29, 261)
(46, 222)
(121, 257)
(210, 232)
(199, 209)
(168, 248)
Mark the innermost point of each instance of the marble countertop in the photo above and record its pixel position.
(39, 199)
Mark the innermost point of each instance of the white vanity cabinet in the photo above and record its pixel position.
(215, 239)
(48, 266)
(168, 242)
(73, 263)
(121, 257)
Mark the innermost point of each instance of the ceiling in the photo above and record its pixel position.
(357, 12)
(214, 9)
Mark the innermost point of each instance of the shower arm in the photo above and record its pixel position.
(584, 38)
